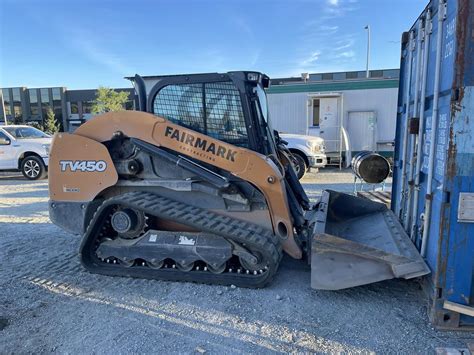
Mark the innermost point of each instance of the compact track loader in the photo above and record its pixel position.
(196, 186)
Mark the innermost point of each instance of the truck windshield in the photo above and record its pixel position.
(25, 132)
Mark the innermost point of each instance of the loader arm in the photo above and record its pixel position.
(248, 165)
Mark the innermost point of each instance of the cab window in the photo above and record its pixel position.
(214, 109)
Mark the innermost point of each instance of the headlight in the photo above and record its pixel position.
(313, 146)
(46, 148)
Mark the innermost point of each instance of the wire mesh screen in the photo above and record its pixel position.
(181, 104)
(214, 109)
(224, 115)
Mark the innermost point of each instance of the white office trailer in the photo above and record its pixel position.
(349, 111)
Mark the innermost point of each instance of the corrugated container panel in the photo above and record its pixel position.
(433, 189)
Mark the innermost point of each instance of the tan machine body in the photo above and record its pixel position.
(85, 145)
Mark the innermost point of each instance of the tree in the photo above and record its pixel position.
(36, 125)
(50, 125)
(108, 100)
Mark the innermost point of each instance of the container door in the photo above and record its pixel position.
(362, 130)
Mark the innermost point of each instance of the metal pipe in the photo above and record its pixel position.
(434, 125)
(407, 114)
(368, 51)
(406, 220)
(419, 148)
(309, 122)
(341, 127)
(3, 108)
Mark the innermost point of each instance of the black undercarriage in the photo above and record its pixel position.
(223, 250)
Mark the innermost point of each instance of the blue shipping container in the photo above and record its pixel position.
(433, 187)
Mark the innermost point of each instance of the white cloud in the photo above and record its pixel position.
(313, 57)
(333, 2)
(346, 54)
(344, 45)
(329, 28)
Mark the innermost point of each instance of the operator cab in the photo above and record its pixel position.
(231, 107)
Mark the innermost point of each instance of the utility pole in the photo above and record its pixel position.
(3, 108)
(368, 51)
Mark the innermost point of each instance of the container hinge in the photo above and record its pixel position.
(423, 34)
(428, 23)
(444, 9)
(412, 41)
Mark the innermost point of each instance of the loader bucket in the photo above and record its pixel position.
(357, 241)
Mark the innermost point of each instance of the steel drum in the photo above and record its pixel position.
(370, 167)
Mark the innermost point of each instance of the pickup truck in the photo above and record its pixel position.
(309, 152)
(25, 149)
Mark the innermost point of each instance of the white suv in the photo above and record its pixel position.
(309, 152)
(26, 149)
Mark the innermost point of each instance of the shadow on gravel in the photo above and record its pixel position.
(12, 176)
(3, 323)
(19, 178)
(28, 210)
(40, 191)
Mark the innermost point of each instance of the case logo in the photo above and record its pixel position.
(83, 165)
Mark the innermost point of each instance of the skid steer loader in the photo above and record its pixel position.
(196, 186)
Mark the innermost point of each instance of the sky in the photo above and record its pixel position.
(84, 44)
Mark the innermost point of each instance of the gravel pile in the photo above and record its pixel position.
(48, 303)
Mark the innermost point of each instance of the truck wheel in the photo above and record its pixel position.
(33, 168)
(300, 167)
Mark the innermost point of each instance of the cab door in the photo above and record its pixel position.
(7, 152)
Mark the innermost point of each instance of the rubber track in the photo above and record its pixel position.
(253, 236)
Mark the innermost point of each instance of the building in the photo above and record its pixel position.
(71, 107)
(23, 105)
(351, 112)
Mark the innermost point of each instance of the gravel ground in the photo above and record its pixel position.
(48, 303)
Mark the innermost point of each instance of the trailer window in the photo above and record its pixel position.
(316, 112)
(214, 109)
